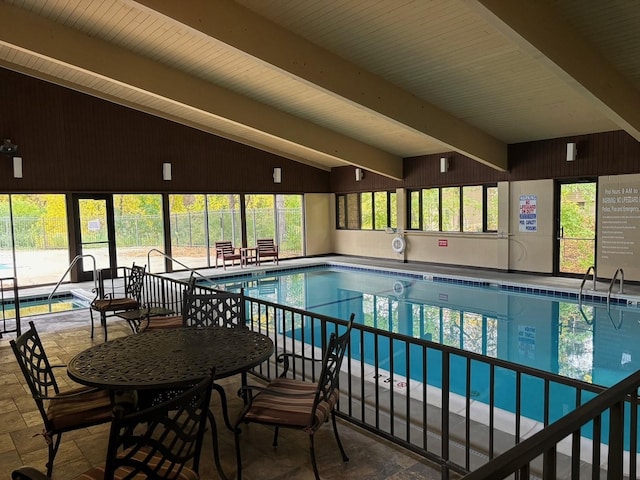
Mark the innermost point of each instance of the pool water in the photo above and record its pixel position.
(40, 305)
(557, 335)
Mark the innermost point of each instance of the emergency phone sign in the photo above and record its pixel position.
(528, 213)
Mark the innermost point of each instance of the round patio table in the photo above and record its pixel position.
(162, 360)
(167, 358)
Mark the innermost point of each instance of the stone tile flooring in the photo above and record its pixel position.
(66, 334)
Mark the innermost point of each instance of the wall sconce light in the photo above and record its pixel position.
(17, 167)
(277, 175)
(8, 148)
(444, 165)
(359, 174)
(166, 171)
(572, 152)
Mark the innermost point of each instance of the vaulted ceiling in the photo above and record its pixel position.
(346, 82)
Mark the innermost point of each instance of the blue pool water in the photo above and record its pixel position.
(543, 331)
(546, 332)
(41, 305)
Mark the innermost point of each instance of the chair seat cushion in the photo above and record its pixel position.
(97, 473)
(160, 323)
(79, 406)
(112, 304)
(290, 402)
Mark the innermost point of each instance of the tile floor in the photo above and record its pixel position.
(65, 334)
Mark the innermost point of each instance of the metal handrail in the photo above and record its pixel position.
(613, 281)
(71, 265)
(168, 257)
(584, 279)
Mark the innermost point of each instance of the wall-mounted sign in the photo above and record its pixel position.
(443, 243)
(93, 225)
(528, 213)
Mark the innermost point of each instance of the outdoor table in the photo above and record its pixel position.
(172, 358)
(247, 255)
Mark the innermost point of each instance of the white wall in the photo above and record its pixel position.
(532, 251)
(319, 220)
(509, 249)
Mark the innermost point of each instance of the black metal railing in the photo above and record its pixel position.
(10, 304)
(398, 387)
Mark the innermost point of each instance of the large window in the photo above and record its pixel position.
(39, 235)
(471, 208)
(278, 217)
(366, 211)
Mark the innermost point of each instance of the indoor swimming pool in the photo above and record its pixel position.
(543, 329)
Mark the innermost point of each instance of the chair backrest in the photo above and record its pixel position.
(214, 309)
(331, 364)
(160, 441)
(224, 247)
(135, 282)
(35, 367)
(265, 244)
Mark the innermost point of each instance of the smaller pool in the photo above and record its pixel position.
(40, 305)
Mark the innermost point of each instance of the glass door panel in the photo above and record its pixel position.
(95, 234)
(577, 227)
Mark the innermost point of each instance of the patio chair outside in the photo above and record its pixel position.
(61, 411)
(107, 304)
(266, 248)
(226, 251)
(297, 404)
(160, 442)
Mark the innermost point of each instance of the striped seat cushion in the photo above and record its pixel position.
(109, 304)
(97, 473)
(160, 323)
(283, 408)
(86, 406)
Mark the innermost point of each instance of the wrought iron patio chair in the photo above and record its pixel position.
(107, 304)
(148, 321)
(161, 442)
(61, 411)
(216, 309)
(297, 404)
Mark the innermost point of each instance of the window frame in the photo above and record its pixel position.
(418, 194)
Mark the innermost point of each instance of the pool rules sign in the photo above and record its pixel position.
(528, 213)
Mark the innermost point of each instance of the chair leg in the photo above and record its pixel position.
(214, 438)
(54, 443)
(313, 456)
(103, 320)
(335, 432)
(236, 435)
(223, 400)
(91, 315)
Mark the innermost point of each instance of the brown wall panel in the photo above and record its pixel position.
(71, 141)
(607, 153)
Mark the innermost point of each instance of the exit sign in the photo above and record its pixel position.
(443, 243)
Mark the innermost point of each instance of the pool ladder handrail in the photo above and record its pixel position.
(584, 280)
(621, 312)
(168, 257)
(71, 265)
